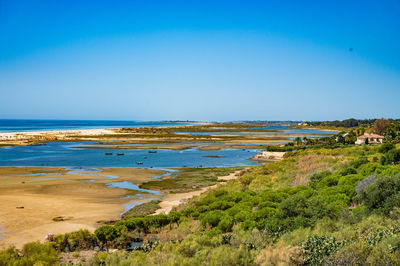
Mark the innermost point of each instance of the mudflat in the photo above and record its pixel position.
(59, 202)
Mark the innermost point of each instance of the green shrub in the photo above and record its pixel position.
(78, 240)
(385, 147)
(319, 176)
(360, 253)
(211, 218)
(316, 248)
(382, 195)
(221, 205)
(226, 223)
(348, 171)
(358, 162)
(106, 233)
(142, 209)
(328, 181)
(353, 254)
(174, 216)
(370, 168)
(32, 253)
(9, 256)
(391, 157)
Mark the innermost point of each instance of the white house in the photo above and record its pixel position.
(369, 139)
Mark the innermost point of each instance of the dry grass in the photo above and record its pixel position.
(309, 165)
(279, 255)
(180, 232)
(76, 258)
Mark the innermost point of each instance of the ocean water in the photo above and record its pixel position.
(17, 125)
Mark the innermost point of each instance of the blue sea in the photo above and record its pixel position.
(17, 125)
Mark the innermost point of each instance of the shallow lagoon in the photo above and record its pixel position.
(62, 154)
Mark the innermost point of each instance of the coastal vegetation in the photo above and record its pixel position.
(189, 179)
(141, 210)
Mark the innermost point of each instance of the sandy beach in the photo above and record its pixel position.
(25, 138)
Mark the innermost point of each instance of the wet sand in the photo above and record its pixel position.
(28, 207)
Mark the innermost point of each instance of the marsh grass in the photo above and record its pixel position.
(142, 209)
(190, 179)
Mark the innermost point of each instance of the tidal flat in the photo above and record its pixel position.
(35, 201)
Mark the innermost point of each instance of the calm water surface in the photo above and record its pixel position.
(62, 154)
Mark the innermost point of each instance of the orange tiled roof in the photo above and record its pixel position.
(371, 136)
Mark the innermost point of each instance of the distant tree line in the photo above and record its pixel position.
(348, 123)
(390, 128)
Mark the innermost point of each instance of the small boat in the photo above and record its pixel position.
(119, 154)
(144, 157)
(139, 163)
(38, 144)
(152, 151)
(108, 153)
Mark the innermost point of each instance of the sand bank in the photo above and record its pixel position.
(269, 156)
(30, 204)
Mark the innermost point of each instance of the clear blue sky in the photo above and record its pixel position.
(200, 60)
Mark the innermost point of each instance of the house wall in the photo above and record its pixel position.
(370, 141)
(360, 141)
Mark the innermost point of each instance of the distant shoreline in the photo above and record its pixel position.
(34, 126)
(21, 138)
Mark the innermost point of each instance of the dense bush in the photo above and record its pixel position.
(274, 210)
(142, 209)
(78, 240)
(360, 253)
(32, 254)
(382, 195)
(385, 147)
(358, 162)
(348, 171)
(106, 233)
(391, 157)
(315, 249)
